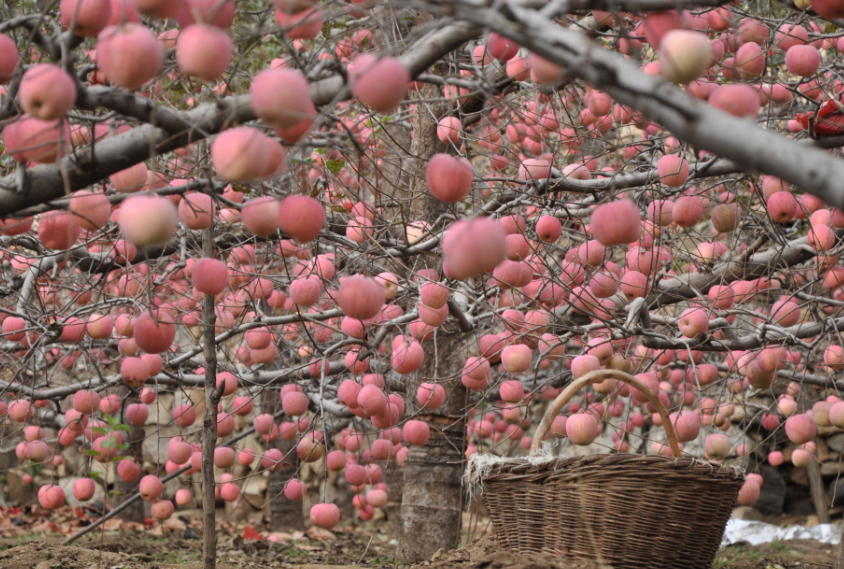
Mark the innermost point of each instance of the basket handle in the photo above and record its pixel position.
(596, 377)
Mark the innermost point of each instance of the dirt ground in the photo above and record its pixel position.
(484, 553)
(799, 553)
(362, 546)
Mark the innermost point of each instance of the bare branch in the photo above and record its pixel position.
(690, 119)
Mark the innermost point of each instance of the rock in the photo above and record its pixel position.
(829, 431)
(156, 441)
(823, 449)
(772, 493)
(836, 442)
(254, 485)
(832, 468)
(798, 501)
(800, 476)
(749, 514)
(161, 413)
(99, 495)
(836, 491)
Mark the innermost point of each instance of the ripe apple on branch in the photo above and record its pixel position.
(294, 238)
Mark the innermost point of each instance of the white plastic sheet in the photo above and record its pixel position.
(755, 533)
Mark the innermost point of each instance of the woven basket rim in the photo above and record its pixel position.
(480, 471)
(519, 465)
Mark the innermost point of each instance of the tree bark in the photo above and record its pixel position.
(819, 497)
(816, 489)
(432, 498)
(135, 511)
(285, 515)
(209, 423)
(394, 477)
(432, 493)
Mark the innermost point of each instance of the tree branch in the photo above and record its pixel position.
(690, 119)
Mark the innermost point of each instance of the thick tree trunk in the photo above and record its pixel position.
(394, 477)
(20, 494)
(432, 494)
(432, 500)
(209, 423)
(135, 511)
(400, 177)
(819, 497)
(285, 515)
(339, 493)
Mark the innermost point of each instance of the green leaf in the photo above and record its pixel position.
(100, 430)
(92, 452)
(335, 166)
(126, 428)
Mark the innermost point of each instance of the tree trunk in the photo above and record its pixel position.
(209, 423)
(394, 477)
(135, 511)
(285, 515)
(432, 499)
(338, 492)
(20, 494)
(400, 176)
(819, 497)
(432, 493)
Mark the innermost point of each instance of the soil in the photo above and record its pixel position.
(149, 549)
(362, 546)
(799, 553)
(484, 553)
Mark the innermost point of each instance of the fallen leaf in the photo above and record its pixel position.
(174, 524)
(250, 534)
(155, 531)
(113, 524)
(304, 547)
(319, 533)
(132, 527)
(42, 527)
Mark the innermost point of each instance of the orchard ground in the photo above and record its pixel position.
(37, 544)
(277, 249)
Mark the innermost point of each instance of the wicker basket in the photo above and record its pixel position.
(620, 510)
